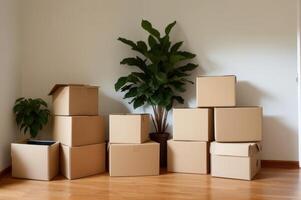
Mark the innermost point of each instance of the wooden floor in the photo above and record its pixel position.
(271, 184)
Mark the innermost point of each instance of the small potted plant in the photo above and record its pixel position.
(162, 74)
(33, 159)
(31, 116)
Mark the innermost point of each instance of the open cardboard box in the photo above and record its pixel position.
(74, 99)
(35, 161)
(235, 160)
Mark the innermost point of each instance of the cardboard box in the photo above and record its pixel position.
(78, 130)
(240, 124)
(129, 128)
(72, 99)
(134, 159)
(39, 162)
(78, 162)
(235, 160)
(187, 157)
(216, 91)
(193, 124)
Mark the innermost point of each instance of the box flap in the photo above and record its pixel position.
(217, 76)
(57, 86)
(235, 149)
(129, 114)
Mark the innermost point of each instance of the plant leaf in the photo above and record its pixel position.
(176, 47)
(169, 27)
(121, 82)
(146, 25)
(187, 67)
(151, 41)
(179, 99)
(139, 101)
(128, 42)
(131, 93)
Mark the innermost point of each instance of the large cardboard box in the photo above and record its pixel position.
(240, 124)
(78, 130)
(129, 128)
(235, 160)
(78, 162)
(216, 91)
(193, 124)
(188, 157)
(134, 159)
(72, 99)
(39, 162)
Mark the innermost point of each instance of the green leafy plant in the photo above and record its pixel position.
(31, 115)
(162, 73)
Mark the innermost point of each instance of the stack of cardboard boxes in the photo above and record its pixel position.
(237, 130)
(79, 129)
(192, 132)
(130, 151)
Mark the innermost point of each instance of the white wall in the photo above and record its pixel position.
(74, 41)
(10, 75)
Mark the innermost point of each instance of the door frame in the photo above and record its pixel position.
(298, 75)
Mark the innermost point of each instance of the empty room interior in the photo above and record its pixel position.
(150, 99)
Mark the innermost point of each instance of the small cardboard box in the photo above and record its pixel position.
(188, 157)
(240, 124)
(235, 160)
(78, 162)
(78, 130)
(72, 99)
(193, 124)
(129, 128)
(134, 159)
(216, 91)
(39, 162)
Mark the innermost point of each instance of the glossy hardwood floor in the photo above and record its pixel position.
(274, 184)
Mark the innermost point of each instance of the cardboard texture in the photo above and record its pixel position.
(240, 124)
(78, 162)
(216, 91)
(129, 128)
(188, 157)
(193, 124)
(72, 99)
(134, 159)
(78, 130)
(39, 162)
(235, 160)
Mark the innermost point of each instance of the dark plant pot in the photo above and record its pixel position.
(162, 139)
(40, 142)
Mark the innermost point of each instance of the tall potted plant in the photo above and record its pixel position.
(162, 71)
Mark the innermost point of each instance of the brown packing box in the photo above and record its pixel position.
(235, 160)
(72, 99)
(39, 162)
(188, 157)
(193, 124)
(134, 159)
(240, 124)
(78, 130)
(129, 128)
(216, 91)
(78, 162)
